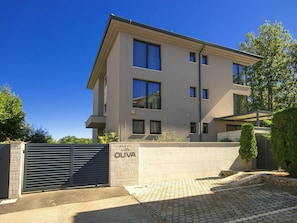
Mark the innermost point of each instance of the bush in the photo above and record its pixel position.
(283, 139)
(108, 137)
(248, 144)
(225, 140)
(170, 137)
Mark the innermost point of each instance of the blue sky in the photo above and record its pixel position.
(48, 47)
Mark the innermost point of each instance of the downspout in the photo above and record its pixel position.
(200, 94)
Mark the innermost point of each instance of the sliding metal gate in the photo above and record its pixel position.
(54, 166)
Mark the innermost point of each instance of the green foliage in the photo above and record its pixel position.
(170, 137)
(283, 139)
(38, 135)
(273, 80)
(248, 144)
(12, 116)
(108, 137)
(74, 140)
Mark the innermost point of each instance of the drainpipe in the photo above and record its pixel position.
(200, 94)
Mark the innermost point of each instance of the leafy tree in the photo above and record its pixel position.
(273, 79)
(74, 140)
(12, 116)
(283, 139)
(248, 144)
(108, 137)
(38, 135)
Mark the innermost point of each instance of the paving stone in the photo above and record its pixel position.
(215, 200)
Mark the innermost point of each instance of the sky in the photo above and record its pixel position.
(48, 47)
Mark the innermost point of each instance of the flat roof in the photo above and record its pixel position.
(118, 24)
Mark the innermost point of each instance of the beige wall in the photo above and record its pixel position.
(154, 162)
(178, 74)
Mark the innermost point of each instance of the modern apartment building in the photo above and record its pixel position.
(147, 81)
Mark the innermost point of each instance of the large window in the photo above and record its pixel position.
(138, 126)
(146, 55)
(239, 104)
(146, 94)
(155, 127)
(239, 76)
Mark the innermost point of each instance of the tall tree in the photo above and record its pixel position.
(271, 79)
(12, 116)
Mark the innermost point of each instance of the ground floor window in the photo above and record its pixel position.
(205, 128)
(193, 127)
(138, 126)
(155, 127)
(233, 127)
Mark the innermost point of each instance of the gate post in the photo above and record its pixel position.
(16, 169)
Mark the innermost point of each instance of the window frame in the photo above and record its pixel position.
(143, 126)
(157, 132)
(147, 45)
(193, 127)
(192, 57)
(147, 103)
(194, 95)
(205, 92)
(205, 128)
(204, 59)
(239, 77)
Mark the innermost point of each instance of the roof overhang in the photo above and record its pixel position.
(118, 24)
(255, 116)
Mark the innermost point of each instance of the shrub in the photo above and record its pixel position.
(283, 139)
(108, 137)
(225, 140)
(170, 137)
(248, 144)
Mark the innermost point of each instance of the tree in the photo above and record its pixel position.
(38, 135)
(74, 140)
(248, 144)
(12, 116)
(273, 79)
(283, 139)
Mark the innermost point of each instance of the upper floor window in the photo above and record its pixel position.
(192, 92)
(204, 60)
(192, 57)
(240, 104)
(239, 76)
(205, 94)
(146, 94)
(146, 55)
(193, 127)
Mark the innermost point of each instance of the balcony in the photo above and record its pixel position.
(96, 121)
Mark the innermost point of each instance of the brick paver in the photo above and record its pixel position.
(213, 200)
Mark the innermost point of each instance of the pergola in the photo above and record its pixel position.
(255, 116)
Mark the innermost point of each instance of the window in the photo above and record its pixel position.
(193, 127)
(192, 57)
(204, 59)
(239, 76)
(239, 104)
(193, 92)
(138, 126)
(205, 93)
(205, 128)
(146, 55)
(233, 127)
(155, 127)
(146, 94)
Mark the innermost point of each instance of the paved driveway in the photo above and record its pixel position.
(217, 200)
(194, 200)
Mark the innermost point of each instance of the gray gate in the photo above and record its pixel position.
(4, 169)
(265, 158)
(54, 166)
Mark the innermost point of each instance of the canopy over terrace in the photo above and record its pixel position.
(255, 116)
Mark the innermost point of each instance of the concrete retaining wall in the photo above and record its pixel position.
(141, 163)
